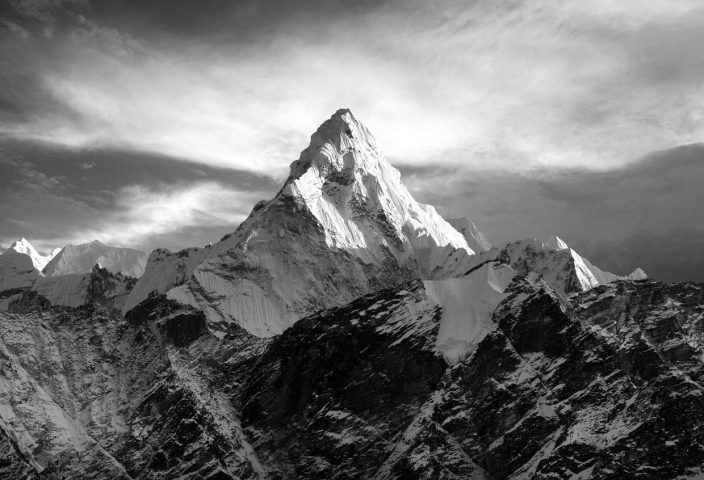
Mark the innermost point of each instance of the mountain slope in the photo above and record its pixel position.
(342, 225)
(17, 272)
(475, 239)
(605, 385)
(550, 387)
(73, 259)
(39, 261)
(563, 269)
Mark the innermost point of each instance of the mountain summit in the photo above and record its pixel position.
(342, 225)
(565, 270)
(38, 260)
(358, 198)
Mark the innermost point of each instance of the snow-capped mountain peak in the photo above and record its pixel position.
(342, 225)
(355, 194)
(38, 260)
(565, 270)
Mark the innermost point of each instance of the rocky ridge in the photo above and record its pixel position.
(565, 270)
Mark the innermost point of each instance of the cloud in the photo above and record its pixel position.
(507, 84)
(619, 219)
(129, 199)
(174, 217)
(669, 256)
(142, 214)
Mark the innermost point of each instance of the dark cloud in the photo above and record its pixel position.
(621, 219)
(671, 256)
(48, 194)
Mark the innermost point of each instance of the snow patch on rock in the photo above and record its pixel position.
(468, 304)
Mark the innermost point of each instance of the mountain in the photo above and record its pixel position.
(475, 239)
(17, 272)
(467, 304)
(74, 259)
(546, 394)
(553, 387)
(39, 261)
(346, 331)
(557, 389)
(22, 284)
(342, 225)
(76, 289)
(561, 267)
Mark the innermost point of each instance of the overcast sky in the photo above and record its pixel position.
(152, 123)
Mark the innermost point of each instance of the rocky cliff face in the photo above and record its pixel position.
(605, 384)
(17, 273)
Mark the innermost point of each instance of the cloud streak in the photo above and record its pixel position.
(142, 214)
(507, 84)
(124, 199)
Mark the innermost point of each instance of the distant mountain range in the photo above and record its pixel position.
(345, 330)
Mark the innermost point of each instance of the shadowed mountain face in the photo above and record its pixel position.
(558, 389)
(606, 384)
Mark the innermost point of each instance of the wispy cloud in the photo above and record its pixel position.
(507, 84)
(128, 200)
(141, 214)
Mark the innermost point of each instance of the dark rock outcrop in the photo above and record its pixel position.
(606, 384)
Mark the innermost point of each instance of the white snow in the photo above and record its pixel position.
(475, 239)
(468, 304)
(342, 225)
(555, 243)
(81, 259)
(39, 261)
(164, 270)
(565, 270)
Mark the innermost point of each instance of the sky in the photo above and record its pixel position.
(160, 123)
